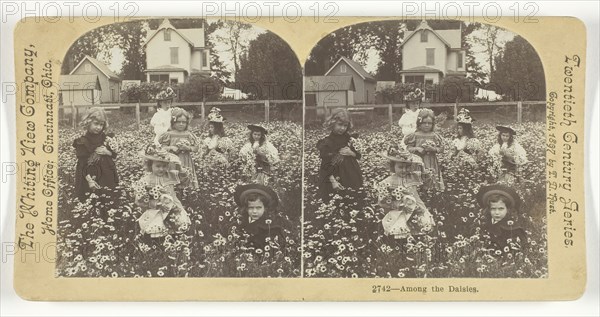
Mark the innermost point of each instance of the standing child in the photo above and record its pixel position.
(258, 204)
(180, 141)
(339, 159)
(508, 155)
(498, 220)
(258, 155)
(466, 147)
(427, 144)
(161, 120)
(95, 151)
(155, 193)
(408, 121)
(216, 148)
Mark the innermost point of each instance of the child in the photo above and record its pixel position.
(405, 215)
(466, 147)
(508, 155)
(155, 193)
(95, 151)
(407, 171)
(161, 120)
(339, 158)
(180, 141)
(498, 219)
(427, 144)
(408, 121)
(258, 204)
(258, 155)
(216, 148)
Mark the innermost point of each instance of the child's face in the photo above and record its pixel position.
(413, 105)
(166, 104)
(427, 124)
(340, 127)
(498, 210)
(401, 168)
(460, 130)
(256, 209)
(256, 136)
(505, 137)
(159, 168)
(180, 123)
(96, 126)
(211, 129)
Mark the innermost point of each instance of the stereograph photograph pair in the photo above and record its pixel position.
(399, 159)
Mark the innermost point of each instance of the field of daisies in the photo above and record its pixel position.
(345, 238)
(90, 246)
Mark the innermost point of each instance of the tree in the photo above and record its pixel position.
(217, 66)
(131, 38)
(519, 73)
(474, 69)
(491, 39)
(270, 69)
(95, 43)
(235, 41)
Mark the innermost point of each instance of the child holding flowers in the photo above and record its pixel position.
(161, 120)
(466, 147)
(498, 220)
(258, 204)
(216, 148)
(408, 121)
(155, 193)
(427, 144)
(180, 141)
(507, 155)
(339, 158)
(95, 151)
(258, 155)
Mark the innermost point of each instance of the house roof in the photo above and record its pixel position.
(194, 37)
(166, 68)
(451, 38)
(421, 69)
(98, 64)
(328, 83)
(79, 82)
(355, 66)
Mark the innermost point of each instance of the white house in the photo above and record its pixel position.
(429, 55)
(110, 83)
(172, 55)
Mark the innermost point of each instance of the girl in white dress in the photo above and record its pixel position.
(258, 155)
(508, 156)
(161, 120)
(408, 121)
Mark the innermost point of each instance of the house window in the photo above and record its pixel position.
(174, 81)
(424, 36)
(159, 78)
(167, 34)
(205, 59)
(87, 67)
(428, 82)
(459, 60)
(416, 79)
(343, 68)
(430, 56)
(174, 55)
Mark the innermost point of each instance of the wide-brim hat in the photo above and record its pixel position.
(166, 94)
(415, 95)
(257, 128)
(507, 129)
(242, 191)
(464, 117)
(215, 116)
(486, 192)
(154, 153)
(402, 157)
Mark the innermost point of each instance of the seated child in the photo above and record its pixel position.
(155, 193)
(498, 220)
(258, 204)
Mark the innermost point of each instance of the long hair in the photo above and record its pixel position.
(467, 130)
(180, 113)
(262, 140)
(511, 138)
(219, 129)
(423, 114)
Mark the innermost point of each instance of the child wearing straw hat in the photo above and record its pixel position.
(258, 155)
(466, 147)
(155, 192)
(95, 151)
(507, 155)
(217, 147)
(408, 121)
(161, 120)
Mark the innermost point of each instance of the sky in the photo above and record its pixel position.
(370, 65)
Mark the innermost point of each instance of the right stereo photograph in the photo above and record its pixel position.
(424, 153)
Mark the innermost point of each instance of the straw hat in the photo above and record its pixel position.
(166, 94)
(155, 153)
(215, 115)
(415, 95)
(242, 191)
(506, 129)
(257, 128)
(464, 116)
(401, 154)
(486, 192)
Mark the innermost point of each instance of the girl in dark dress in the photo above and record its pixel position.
(339, 171)
(96, 151)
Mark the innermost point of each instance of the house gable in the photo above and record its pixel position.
(99, 67)
(356, 68)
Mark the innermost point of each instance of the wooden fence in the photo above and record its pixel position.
(202, 105)
(455, 106)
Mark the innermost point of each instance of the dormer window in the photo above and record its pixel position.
(424, 36)
(167, 34)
